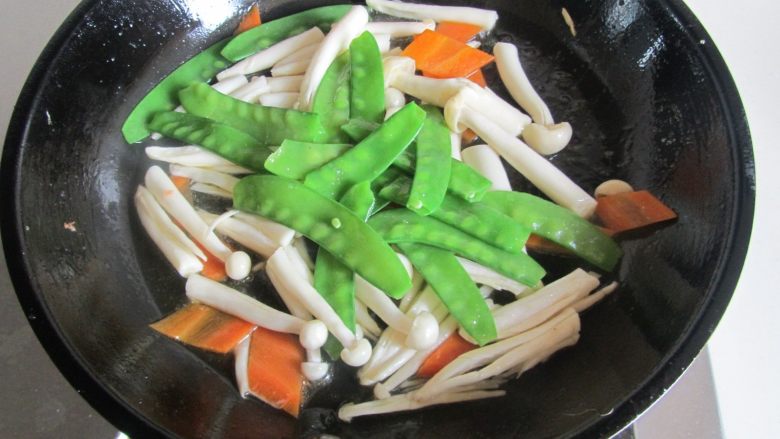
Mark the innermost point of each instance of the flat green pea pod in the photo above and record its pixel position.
(329, 224)
(559, 225)
(358, 129)
(464, 181)
(332, 100)
(270, 33)
(367, 83)
(476, 219)
(269, 125)
(230, 143)
(334, 280)
(403, 225)
(295, 159)
(369, 158)
(455, 288)
(164, 96)
(433, 164)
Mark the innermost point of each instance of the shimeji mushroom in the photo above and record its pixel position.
(305, 53)
(250, 237)
(285, 83)
(268, 57)
(230, 301)
(400, 29)
(544, 135)
(500, 356)
(250, 91)
(365, 321)
(356, 351)
(484, 18)
(421, 329)
(283, 99)
(194, 156)
(273, 230)
(394, 101)
(180, 251)
(174, 203)
(341, 34)
(290, 299)
(221, 180)
(540, 172)
(485, 161)
(486, 276)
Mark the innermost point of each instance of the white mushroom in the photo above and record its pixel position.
(221, 180)
(284, 83)
(484, 18)
(284, 99)
(405, 402)
(485, 161)
(180, 251)
(230, 301)
(250, 91)
(194, 156)
(341, 34)
(399, 29)
(268, 57)
(612, 187)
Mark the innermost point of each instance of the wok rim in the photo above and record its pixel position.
(127, 419)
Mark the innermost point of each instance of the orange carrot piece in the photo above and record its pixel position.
(449, 350)
(274, 369)
(213, 268)
(468, 136)
(462, 32)
(250, 20)
(477, 78)
(542, 245)
(181, 183)
(204, 327)
(440, 56)
(632, 210)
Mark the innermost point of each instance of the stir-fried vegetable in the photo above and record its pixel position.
(367, 91)
(204, 327)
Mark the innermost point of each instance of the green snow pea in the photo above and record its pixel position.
(270, 33)
(559, 225)
(455, 288)
(432, 170)
(326, 222)
(230, 143)
(403, 225)
(476, 219)
(358, 129)
(367, 85)
(332, 99)
(464, 181)
(164, 96)
(295, 159)
(269, 125)
(334, 280)
(368, 159)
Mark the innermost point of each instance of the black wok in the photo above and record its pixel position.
(650, 100)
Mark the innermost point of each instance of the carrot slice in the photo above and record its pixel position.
(440, 56)
(181, 183)
(632, 210)
(477, 78)
(250, 20)
(449, 350)
(213, 268)
(462, 32)
(468, 136)
(542, 245)
(204, 327)
(274, 369)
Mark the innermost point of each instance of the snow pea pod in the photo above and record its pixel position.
(464, 181)
(433, 164)
(326, 222)
(369, 158)
(332, 279)
(269, 125)
(261, 37)
(358, 129)
(230, 143)
(164, 96)
(455, 288)
(332, 100)
(476, 219)
(403, 225)
(559, 225)
(295, 159)
(367, 84)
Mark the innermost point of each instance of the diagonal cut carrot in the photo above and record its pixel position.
(204, 327)
(440, 56)
(274, 369)
(449, 350)
(632, 210)
(477, 78)
(462, 32)
(213, 268)
(250, 20)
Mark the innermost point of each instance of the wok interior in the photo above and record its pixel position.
(644, 109)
